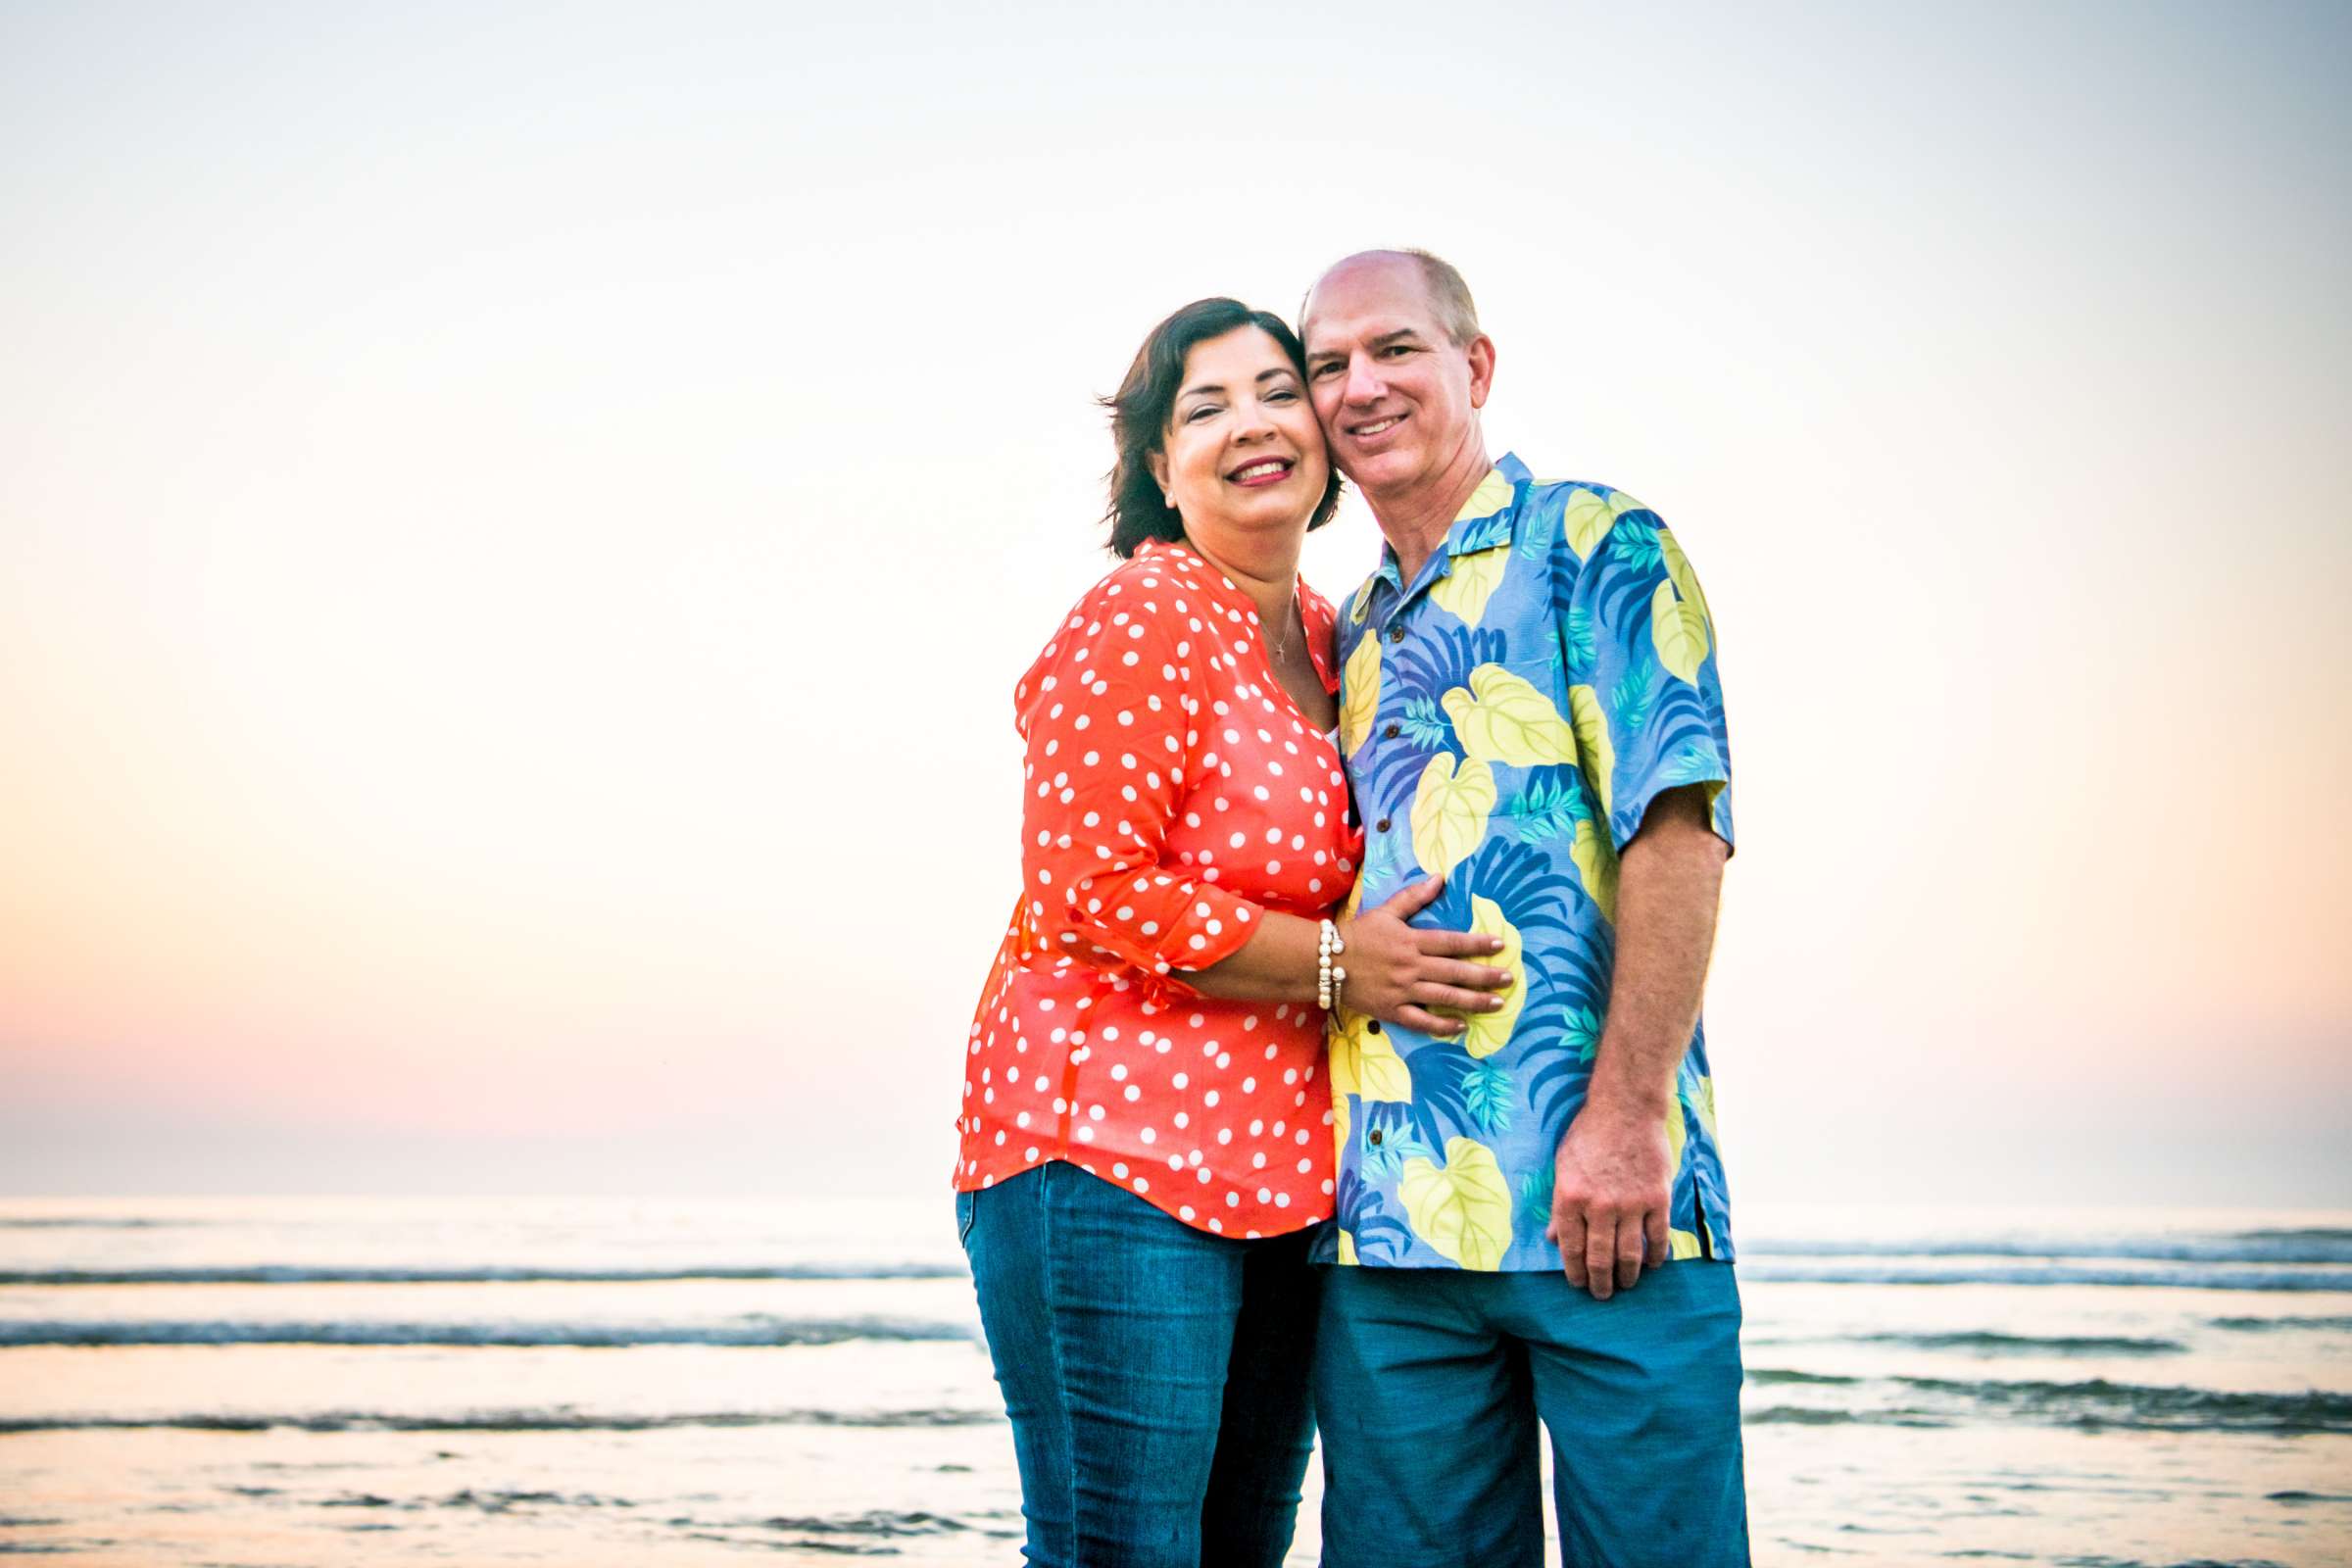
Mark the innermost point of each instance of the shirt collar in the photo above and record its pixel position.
(1484, 521)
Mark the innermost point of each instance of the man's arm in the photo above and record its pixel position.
(1611, 1182)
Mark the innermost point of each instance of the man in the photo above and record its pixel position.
(1535, 1209)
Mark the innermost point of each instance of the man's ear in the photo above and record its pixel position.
(1481, 354)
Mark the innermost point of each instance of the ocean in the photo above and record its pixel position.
(264, 1383)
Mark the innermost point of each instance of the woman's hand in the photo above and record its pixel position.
(1398, 973)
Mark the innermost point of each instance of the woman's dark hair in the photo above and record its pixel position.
(1140, 409)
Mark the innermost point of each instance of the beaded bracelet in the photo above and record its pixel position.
(1329, 976)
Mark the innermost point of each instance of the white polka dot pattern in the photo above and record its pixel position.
(1172, 793)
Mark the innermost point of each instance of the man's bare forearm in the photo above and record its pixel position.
(1668, 882)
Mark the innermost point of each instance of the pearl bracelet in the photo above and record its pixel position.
(1329, 976)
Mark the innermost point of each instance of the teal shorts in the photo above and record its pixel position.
(1429, 1384)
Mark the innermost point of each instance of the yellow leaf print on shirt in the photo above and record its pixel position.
(1679, 632)
(1470, 582)
(1449, 810)
(1593, 739)
(1463, 1212)
(1589, 517)
(1493, 493)
(1347, 1249)
(1504, 718)
(1486, 1033)
(1363, 602)
(1678, 572)
(1363, 1063)
(1678, 1131)
(1338, 1055)
(1596, 860)
(1704, 1103)
(1682, 1244)
(1359, 687)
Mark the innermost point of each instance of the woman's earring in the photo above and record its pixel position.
(1170, 498)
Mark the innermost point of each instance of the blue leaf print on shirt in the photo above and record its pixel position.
(1387, 864)
(1440, 1105)
(1487, 1093)
(1635, 544)
(1384, 1157)
(1443, 658)
(1551, 806)
(1576, 632)
(1426, 724)
(1582, 1034)
(1530, 885)
(1696, 761)
(1631, 697)
(1380, 1236)
(1533, 1216)
(1563, 1074)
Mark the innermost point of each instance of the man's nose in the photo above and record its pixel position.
(1362, 385)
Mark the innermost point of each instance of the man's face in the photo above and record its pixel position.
(1398, 398)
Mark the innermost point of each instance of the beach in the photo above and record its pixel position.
(275, 1382)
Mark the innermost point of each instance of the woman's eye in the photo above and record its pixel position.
(1194, 417)
(1281, 394)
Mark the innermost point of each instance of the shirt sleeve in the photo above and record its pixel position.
(1643, 681)
(1107, 713)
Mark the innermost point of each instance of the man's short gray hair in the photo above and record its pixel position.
(1449, 295)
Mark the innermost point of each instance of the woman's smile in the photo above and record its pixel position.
(1263, 472)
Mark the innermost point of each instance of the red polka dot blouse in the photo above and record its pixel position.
(1172, 793)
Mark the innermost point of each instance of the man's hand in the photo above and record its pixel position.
(1611, 1186)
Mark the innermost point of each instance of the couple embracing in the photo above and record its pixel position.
(1341, 1067)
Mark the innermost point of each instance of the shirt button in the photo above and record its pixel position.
(1372, 1137)
(1371, 1026)
(1381, 826)
(1389, 732)
(1396, 633)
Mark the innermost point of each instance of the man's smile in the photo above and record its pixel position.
(1378, 427)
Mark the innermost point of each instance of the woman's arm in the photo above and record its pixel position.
(1105, 718)
(1395, 972)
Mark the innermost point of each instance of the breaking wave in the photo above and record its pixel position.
(290, 1274)
(749, 1332)
(560, 1420)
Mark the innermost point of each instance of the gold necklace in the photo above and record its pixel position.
(1290, 618)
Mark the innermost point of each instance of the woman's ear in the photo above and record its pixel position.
(1158, 464)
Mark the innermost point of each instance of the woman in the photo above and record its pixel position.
(1145, 1136)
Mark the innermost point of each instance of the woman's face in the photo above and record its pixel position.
(1242, 454)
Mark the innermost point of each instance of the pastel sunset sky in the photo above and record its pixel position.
(519, 527)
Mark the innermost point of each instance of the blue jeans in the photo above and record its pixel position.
(1429, 1383)
(1157, 1375)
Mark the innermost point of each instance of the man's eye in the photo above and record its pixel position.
(1323, 371)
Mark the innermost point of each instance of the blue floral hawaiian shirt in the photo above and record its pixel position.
(1508, 718)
